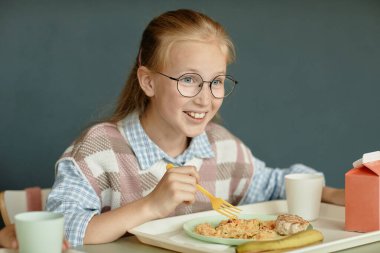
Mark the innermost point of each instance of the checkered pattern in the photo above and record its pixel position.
(268, 183)
(148, 153)
(108, 164)
(79, 195)
(73, 196)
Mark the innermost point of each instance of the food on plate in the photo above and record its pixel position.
(239, 229)
(297, 240)
(287, 224)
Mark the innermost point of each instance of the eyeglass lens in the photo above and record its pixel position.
(191, 84)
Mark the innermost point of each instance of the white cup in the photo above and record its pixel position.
(39, 232)
(304, 194)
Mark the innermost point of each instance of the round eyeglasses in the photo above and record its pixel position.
(190, 84)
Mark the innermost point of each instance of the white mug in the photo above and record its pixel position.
(39, 232)
(304, 194)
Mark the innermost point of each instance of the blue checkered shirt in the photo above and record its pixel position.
(73, 196)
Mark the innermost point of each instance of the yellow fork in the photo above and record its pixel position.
(218, 204)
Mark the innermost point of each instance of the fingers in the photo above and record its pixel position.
(176, 187)
(12, 240)
(184, 187)
(65, 245)
(14, 244)
(175, 178)
(184, 197)
(182, 181)
(8, 237)
(185, 170)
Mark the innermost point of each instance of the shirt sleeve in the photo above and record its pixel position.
(268, 183)
(74, 197)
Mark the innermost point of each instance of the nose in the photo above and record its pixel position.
(204, 97)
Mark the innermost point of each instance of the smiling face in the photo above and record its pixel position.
(171, 114)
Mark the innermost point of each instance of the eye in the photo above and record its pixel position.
(187, 79)
(190, 80)
(217, 82)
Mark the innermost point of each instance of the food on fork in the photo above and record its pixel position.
(288, 224)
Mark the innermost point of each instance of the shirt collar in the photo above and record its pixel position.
(148, 153)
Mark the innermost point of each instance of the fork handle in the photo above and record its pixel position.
(204, 191)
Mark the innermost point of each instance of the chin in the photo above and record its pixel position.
(193, 135)
(194, 132)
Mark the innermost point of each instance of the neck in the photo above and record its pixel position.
(169, 141)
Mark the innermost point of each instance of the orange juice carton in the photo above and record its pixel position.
(363, 194)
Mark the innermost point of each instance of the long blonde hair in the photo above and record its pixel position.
(158, 37)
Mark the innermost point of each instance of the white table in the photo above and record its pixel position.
(132, 244)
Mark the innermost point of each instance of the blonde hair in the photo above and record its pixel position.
(158, 37)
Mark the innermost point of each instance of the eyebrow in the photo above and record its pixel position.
(196, 71)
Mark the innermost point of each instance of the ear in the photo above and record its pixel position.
(146, 81)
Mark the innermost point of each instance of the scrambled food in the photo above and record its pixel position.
(253, 228)
(239, 229)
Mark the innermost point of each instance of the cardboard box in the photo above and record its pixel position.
(363, 194)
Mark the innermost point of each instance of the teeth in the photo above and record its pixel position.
(197, 115)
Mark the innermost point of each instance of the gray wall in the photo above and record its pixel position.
(308, 71)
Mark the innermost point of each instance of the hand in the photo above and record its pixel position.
(65, 245)
(8, 238)
(333, 196)
(177, 186)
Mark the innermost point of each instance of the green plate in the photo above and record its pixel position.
(189, 227)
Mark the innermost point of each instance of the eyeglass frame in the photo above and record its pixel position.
(201, 85)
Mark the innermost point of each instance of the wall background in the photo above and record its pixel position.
(308, 71)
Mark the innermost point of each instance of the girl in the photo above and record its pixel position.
(113, 177)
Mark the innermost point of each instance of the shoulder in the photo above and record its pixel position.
(100, 129)
(100, 137)
(101, 134)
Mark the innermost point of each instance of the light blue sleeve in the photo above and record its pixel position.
(268, 183)
(74, 197)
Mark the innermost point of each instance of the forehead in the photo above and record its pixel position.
(205, 58)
